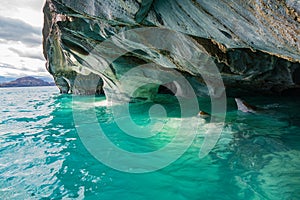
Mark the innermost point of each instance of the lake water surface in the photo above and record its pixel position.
(42, 155)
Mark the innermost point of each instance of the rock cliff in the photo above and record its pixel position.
(91, 45)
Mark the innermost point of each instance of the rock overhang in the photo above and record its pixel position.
(254, 45)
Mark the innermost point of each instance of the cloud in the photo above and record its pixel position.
(28, 54)
(13, 4)
(21, 38)
(7, 66)
(8, 69)
(17, 30)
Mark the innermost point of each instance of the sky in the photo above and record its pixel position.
(21, 50)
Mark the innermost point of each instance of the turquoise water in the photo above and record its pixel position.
(42, 155)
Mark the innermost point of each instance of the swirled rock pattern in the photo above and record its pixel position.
(255, 44)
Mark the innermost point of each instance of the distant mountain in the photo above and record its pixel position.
(27, 81)
(45, 78)
(4, 79)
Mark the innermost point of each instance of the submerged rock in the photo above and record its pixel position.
(254, 44)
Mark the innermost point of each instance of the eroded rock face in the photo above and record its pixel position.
(91, 45)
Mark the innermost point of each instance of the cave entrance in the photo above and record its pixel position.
(296, 76)
(91, 84)
(153, 92)
(166, 93)
(168, 88)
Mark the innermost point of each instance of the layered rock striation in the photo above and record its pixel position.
(137, 48)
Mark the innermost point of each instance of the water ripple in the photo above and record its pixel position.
(42, 157)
